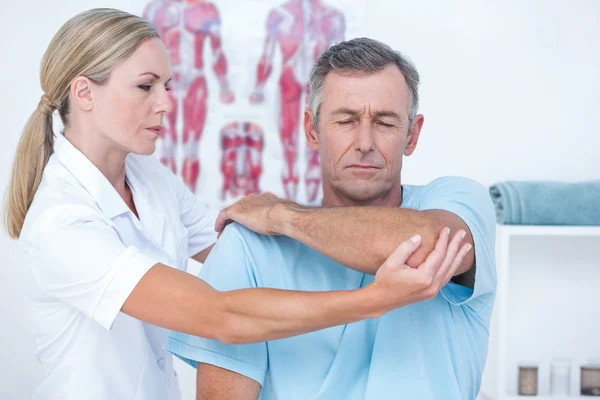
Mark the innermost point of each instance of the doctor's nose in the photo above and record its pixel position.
(163, 103)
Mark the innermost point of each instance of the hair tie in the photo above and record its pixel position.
(46, 105)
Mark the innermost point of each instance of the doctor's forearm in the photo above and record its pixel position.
(253, 315)
(178, 301)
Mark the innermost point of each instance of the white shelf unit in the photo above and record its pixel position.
(555, 397)
(547, 306)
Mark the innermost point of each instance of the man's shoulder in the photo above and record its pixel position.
(446, 187)
(454, 183)
(239, 232)
(236, 237)
(242, 258)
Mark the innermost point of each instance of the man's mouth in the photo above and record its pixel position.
(363, 166)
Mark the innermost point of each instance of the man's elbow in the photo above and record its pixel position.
(429, 232)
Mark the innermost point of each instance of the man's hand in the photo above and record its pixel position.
(256, 212)
(404, 285)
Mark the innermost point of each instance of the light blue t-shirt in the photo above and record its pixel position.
(434, 349)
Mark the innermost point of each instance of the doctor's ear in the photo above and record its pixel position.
(81, 93)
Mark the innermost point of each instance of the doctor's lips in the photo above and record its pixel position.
(156, 129)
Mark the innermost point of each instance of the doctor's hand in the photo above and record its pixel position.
(257, 212)
(400, 285)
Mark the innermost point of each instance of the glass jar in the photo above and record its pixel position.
(590, 379)
(528, 380)
(560, 376)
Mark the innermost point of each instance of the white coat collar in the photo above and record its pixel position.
(90, 177)
(104, 193)
(152, 220)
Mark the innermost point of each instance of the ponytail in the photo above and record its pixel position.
(33, 151)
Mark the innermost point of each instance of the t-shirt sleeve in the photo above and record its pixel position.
(77, 257)
(224, 269)
(471, 202)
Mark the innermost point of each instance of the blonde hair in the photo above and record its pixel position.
(90, 44)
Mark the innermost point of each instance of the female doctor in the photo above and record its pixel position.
(107, 230)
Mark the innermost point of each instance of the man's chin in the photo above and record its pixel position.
(360, 191)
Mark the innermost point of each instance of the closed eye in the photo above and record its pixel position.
(385, 125)
(346, 122)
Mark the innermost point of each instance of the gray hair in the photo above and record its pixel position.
(361, 55)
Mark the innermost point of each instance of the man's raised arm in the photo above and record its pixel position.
(360, 238)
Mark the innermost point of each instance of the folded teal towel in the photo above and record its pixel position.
(547, 203)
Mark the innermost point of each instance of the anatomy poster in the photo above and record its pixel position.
(239, 90)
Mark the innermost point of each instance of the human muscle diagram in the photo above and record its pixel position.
(239, 87)
(303, 30)
(241, 159)
(185, 28)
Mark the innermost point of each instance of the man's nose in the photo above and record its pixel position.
(364, 139)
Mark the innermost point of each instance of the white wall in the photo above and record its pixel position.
(510, 90)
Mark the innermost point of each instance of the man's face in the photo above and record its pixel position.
(362, 134)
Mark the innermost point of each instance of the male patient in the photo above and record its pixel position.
(362, 117)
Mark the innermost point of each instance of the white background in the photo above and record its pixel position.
(510, 90)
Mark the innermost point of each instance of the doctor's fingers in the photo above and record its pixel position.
(453, 251)
(398, 258)
(435, 259)
(462, 253)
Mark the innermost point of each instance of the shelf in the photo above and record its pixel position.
(483, 396)
(548, 230)
(542, 305)
(557, 397)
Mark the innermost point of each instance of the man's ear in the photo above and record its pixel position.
(413, 136)
(81, 93)
(312, 137)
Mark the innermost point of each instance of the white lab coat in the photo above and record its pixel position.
(85, 253)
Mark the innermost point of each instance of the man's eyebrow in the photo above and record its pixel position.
(344, 110)
(387, 114)
(350, 111)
